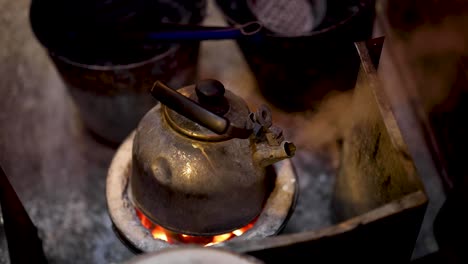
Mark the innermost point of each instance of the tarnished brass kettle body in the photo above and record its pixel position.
(199, 159)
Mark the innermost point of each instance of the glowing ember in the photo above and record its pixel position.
(159, 232)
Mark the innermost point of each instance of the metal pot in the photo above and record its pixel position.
(199, 160)
(109, 79)
(310, 65)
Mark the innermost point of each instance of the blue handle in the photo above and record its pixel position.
(172, 32)
(196, 35)
(205, 33)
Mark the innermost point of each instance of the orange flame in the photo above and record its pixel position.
(159, 232)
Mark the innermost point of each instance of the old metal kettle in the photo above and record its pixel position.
(199, 159)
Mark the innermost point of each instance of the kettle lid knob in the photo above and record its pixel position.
(210, 94)
(209, 89)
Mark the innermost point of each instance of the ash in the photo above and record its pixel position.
(312, 209)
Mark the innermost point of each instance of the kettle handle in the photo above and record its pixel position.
(195, 112)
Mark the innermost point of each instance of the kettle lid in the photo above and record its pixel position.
(209, 112)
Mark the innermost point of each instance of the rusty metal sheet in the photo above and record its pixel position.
(374, 170)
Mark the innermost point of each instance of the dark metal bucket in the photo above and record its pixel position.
(113, 96)
(295, 73)
(112, 99)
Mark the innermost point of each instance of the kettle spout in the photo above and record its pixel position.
(267, 155)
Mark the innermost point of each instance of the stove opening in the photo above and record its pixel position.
(170, 237)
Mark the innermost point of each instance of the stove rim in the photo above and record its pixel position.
(276, 213)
